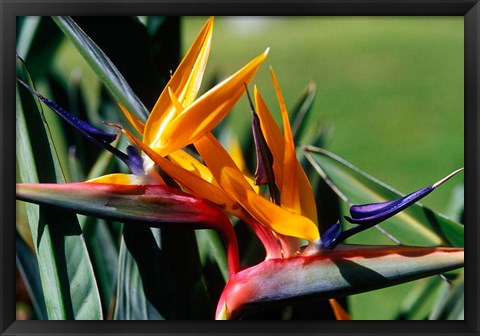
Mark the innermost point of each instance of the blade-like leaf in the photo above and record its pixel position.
(211, 250)
(160, 278)
(26, 34)
(101, 165)
(300, 111)
(152, 52)
(350, 269)
(456, 204)
(102, 65)
(450, 305)
(104, 256)
(28, 267)
(68, 282)
(417, 303)
(132, 301)
(417, 225)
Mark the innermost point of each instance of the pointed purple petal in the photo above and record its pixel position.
(135, 161)
(71, 119)
(378, 212)
(374, 213)
(329, 237)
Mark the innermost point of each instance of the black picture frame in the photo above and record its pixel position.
(9, 9)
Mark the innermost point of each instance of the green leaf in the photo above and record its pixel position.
(75, 167)
(26, 34)
(347, 270)
(101, 64)
(450, 305)
(210, 248)
(37, 42)
(417, 225)
(160, 276)
(101, 164)
(28, 268)
(456, 204)
(416, 305)
(150, 54)
(133, 302)
(104, 256)
(68, 282)
(300, 110)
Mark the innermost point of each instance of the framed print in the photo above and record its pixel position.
(178, 163)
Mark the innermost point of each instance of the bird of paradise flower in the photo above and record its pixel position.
(300, 261)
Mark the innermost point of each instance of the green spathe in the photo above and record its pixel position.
(349, 269)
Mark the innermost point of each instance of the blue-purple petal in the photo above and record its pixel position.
(329, 238)
(81, 125)
(132, 159)
(135, 161)
(372, 214)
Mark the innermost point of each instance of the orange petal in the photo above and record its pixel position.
(136, 123)
(236, 154)
(184, 83)
(273, 136)
(190, 181)
(231, 179)
(207, 111)
(307, 198)
(188, 162)
(340, 313)
(276, 143)
(176, 102)
(279, 219)
(290, 196)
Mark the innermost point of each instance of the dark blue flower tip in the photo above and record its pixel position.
(132, 159)
(374, 213)
(330, 237)
(135, 161)
(80, 125)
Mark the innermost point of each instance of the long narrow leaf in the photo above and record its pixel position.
(211, 249)
(101, 64)
(68, 282)
(26, 35)
(300, 111)
(149, 260)
(451, 302)
(104, 256)
(133, 301)
(28, 267)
